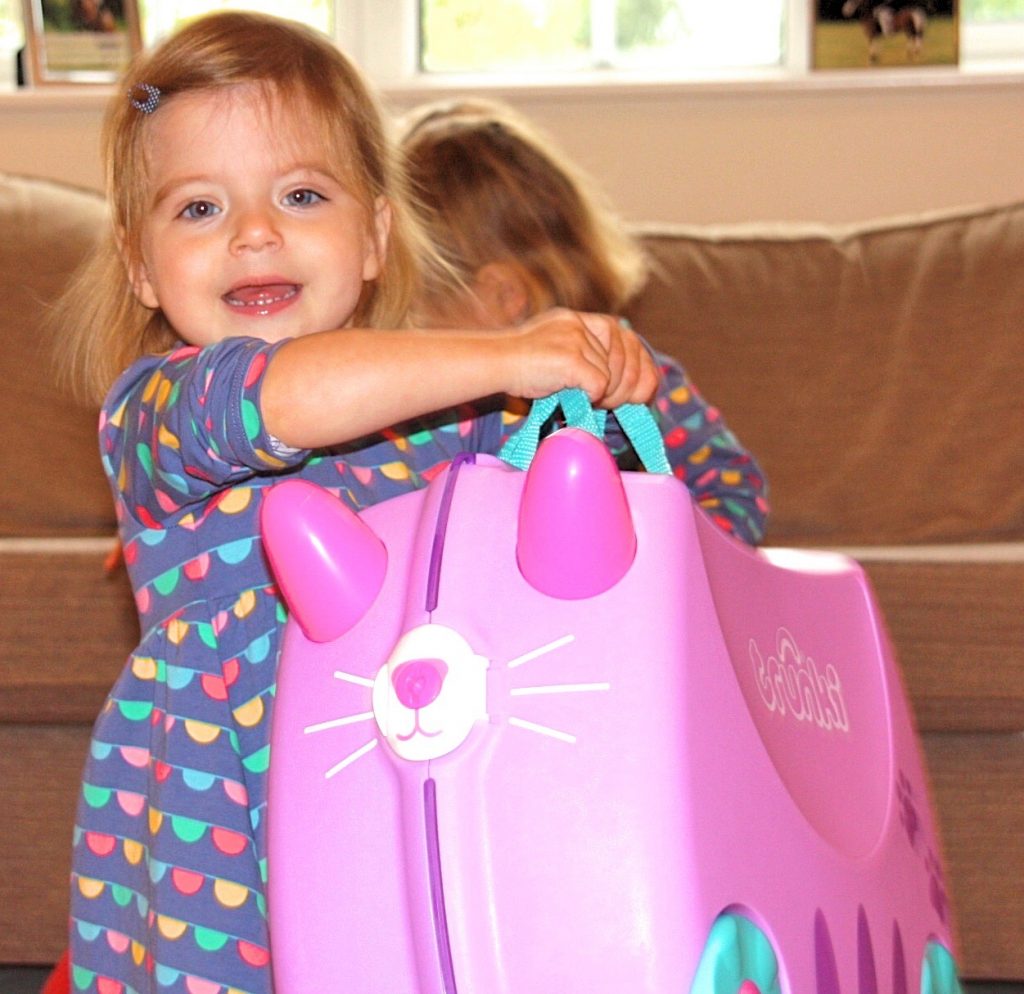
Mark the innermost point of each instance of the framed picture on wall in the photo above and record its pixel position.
(866, 34)
(80, 41)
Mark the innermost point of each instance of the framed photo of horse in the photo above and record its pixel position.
(866, 34)
(80, 41)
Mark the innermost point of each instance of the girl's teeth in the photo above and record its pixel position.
(260, 296)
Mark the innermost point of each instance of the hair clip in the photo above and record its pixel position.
(151, 100)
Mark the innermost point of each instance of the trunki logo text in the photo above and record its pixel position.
(790, 683)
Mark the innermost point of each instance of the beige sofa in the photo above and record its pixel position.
(875, 370)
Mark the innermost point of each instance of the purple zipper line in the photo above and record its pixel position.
(444, 947)
(441, 528)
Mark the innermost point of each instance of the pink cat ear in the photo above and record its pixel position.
(328, 562)
(576, 536)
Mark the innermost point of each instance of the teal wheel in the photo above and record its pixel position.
(938, 972)
(738, 958)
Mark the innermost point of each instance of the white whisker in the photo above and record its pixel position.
(351, 758)
(350, 719)
(562, 688)
(552, 733)
(362, 681)
(543, 650)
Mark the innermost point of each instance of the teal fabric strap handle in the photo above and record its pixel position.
(636, 421)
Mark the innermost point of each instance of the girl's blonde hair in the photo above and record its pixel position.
(102, 328)
(491, 187)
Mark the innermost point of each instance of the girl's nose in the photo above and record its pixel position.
(418, 682)
(255, 232)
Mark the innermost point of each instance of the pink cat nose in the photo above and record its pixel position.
(418, 682)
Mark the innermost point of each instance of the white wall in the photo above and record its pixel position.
(823, 150)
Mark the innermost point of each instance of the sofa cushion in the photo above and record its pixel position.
(875, 370)
(46, 229)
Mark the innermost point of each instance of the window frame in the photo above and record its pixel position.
(391, 57)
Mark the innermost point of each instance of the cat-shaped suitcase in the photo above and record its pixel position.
(554, 732)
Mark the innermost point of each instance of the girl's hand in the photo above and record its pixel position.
(633, 374)
(555, 350)
(562, 348)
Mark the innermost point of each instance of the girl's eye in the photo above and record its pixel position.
(302, 198)
(200, 209)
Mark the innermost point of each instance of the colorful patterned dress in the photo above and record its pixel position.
(169, 849)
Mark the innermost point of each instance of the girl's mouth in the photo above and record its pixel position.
(263, 299)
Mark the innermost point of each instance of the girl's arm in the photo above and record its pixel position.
(328, 388)
(722, 475)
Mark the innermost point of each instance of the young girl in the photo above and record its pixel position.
(259, 244)
(260, 248)
(522, 229)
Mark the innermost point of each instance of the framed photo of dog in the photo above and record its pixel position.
(869, 34)
(80, 41)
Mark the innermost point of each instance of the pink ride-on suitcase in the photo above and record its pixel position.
(554, 733)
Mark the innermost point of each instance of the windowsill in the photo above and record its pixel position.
(990, 75)
(766, 81)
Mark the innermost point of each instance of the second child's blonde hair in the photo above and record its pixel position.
(491, 187)
(102, 328)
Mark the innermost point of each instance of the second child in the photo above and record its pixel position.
(522, 230)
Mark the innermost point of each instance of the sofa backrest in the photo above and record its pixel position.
(53, 484)
(875, 370)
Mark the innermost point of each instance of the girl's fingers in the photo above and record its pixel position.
(592, 372)
(633, 375)
(592, 367)
(594, 352)
(643, 376)
(622, 392)
(610, 333)
(559, 350)
(618, 364)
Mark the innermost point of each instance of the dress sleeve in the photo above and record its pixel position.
(178, 428)
(723, 477)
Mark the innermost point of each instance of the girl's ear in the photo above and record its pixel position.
(138, 276)
(377, 244)
(503, 289)
(141, 287)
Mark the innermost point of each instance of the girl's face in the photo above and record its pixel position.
(248, 230)
(499, 295)
(461, 309)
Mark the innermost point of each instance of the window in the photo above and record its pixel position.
(396, 40)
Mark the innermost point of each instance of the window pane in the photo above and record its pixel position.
(988, 11)
(695, 34)
(161, 17)
(10, 24)
(472, 35)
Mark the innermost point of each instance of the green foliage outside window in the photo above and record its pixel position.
(992, 10)
(640, 22)
(470, 34)
(10, 21)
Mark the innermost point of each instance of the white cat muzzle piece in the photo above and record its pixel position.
(430, 693)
